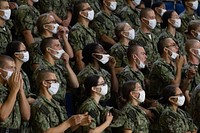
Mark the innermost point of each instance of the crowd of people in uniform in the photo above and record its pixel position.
(99, 66)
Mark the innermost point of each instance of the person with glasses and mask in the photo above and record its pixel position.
(46, 113)
(171, 22)
(14, 106)
(17, 50)
(47, 27)
(173, 119)
(52, 52)
(81, 34)
(125, 33)
(95, 88)
(104, 23)
(96, 60)
(167, 69)
(5, 33)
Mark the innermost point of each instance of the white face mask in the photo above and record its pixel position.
(55, 29)
(131, 34)
(177, 23)
(141, 65)
(9, 74)
(162, 12)
(35, 1)
(104, 90)
(25, 56)
(104, 59)
(113, 6)
(59, 53)
(90, 15)
(198, 36)
(181, 100)
(174, 55)
(7, 13)
(195, 4)
(152, 23)
(141, 96)
(53, 89)
(136, 2)
(198, 50)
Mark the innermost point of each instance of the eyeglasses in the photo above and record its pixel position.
(174, 45)
(89, 8)
(52, 81)
(102, 84)
(181, 94)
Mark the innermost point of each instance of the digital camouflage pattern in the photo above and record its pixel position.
(128, 74)
(119, 52)
(80, 36)
(176, 122)
(136, 121)
(160, 76)
(14, 119)
(5, 37)
(26, 17)
(131, 16)
(46, 114)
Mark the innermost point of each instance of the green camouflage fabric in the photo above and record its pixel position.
(131, 16)
(80, 36)
(158, 30)
(120, 5)
(105, 24)
(185, 19)
(149, 45)
(60, 7)
(160, 76)
(26, 17)
(46, 114)
(179, 38)
(61, 74)
(89, 70)
(5, 37)
(95, 111)
(176, 122)
(128, 74)
(14, 119)
(95, 4)
(119, 52)
(194, 107)
(195, 81)
(136, 121)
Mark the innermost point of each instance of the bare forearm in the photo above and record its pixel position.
(7, 106)
(72, 77)
(59, 129)
(68, 48)
(28, 37)
(114, 81)
(58, 20)
(108, 40)
(24, 106)
(100, 128)
(177, 79)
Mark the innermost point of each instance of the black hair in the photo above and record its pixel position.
(12, 47)
(156, 4)
(144, 12)
(132, 48)
(165, 17)
(4, 59)
(78, 6)
(46, 42)
(127, 88)
(87, 52)
(167, 92)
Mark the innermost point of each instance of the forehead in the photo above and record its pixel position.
(127, 26)
(9, 64)
(140, 49)
(100, 80)
(169, 41)
(178, 90)
(50, 76)
(174, 14)
(22, 46)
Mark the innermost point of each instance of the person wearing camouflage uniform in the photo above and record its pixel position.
(64, 73)
(136, 118)
(136, 57)
(81, 34)
(173, 119)
(164, 71)
(125, 34)
(14, 105)
(25, 19)
(189, 14)
(5, 33)
(145, 37)
(92, 106)
(104, 24)
(47, 114)
(61, 10)
(92, 55)
(169, 22)
(130, 14)
(194, 106)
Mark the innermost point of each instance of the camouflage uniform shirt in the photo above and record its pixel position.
(136, 121)
(176, 122)
(5, 37)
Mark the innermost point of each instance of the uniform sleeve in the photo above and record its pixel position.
(75, 39)
(115, 52)
(129, 125)
(99, 27)
(46, 5)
